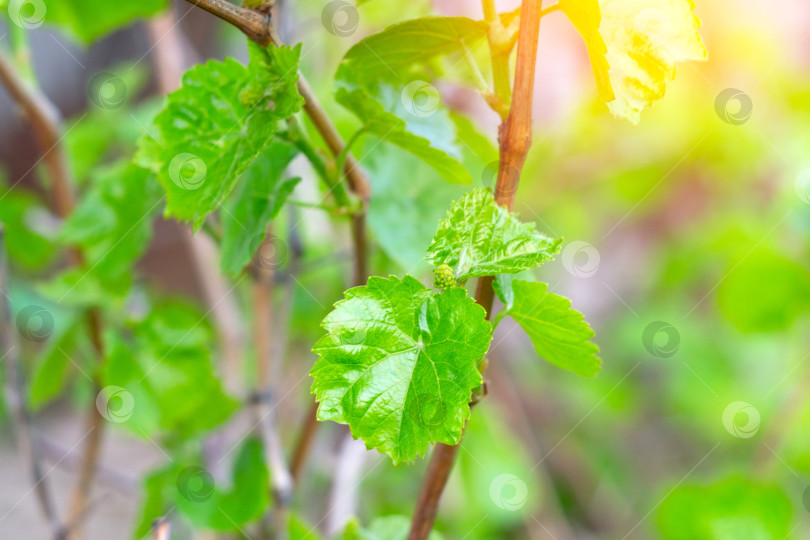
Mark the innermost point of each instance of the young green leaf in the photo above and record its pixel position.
(387, 55)
(85, 20)
(51, 366)
(399, 363)
(559, 333)
(480, 238)
(219, 509)
(21, 212)
(634, 46)
(113, 224)
(256, 202)
(388, 126)
(167, 371)
(216, 124)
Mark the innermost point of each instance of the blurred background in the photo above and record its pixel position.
(686, 247)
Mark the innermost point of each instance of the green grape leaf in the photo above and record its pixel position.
(216, 124)
(113, 224)
(387, 55)
(219, 509)
(559, 333)
(85, 20)
(186, 486)
(480, 238)
(255, 204)
(23, 215)
(634, 46)
(420, 200)
(399, 363)
(382, 528)
(51, 367)
(167, 372)
(388, 126)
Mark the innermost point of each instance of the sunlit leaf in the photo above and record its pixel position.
(399, 363)
(388, 126)
(634, 46)
(480, 238)
(387, 55)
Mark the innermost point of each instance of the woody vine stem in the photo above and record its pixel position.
(514, 136)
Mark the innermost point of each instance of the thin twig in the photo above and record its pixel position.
(515, 140)
(47, 125)
(27, 441)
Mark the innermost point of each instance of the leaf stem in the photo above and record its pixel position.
(515, 141)
(500, 52)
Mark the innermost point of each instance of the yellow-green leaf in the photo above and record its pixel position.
(634, 46)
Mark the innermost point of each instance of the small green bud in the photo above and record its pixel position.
(443, 277)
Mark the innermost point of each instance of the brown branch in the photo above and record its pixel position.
(515, 140)
(27, 441)
(255, 24)
(46, 122)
